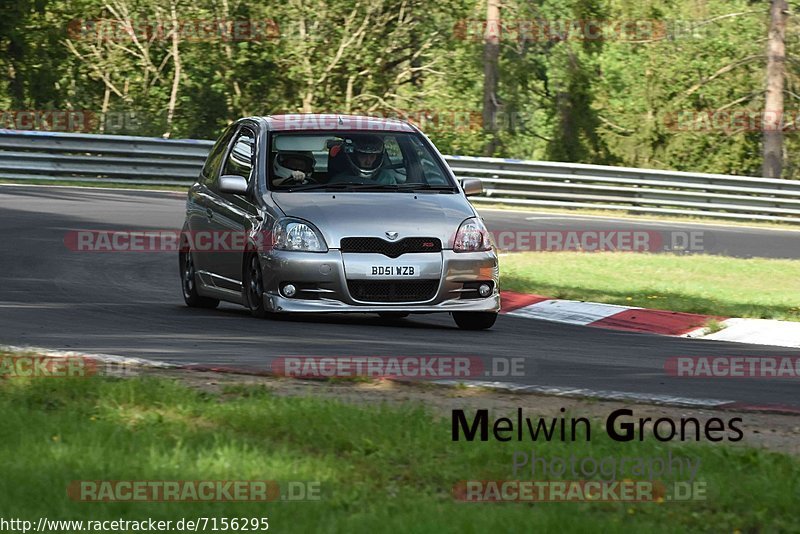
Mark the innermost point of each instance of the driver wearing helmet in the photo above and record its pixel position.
(365, 157)
(293, 168)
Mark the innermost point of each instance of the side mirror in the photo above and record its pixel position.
(233, 184)
(472, 186)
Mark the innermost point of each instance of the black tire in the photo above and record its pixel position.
(189, 285)
(474, 320)
(253, 287)
(393, 316)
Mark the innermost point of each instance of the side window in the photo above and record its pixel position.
(396, 162)
(210, 171)
(431, 170)
(240, 158)
(393, 149)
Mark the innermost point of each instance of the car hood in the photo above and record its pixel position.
(339, 215)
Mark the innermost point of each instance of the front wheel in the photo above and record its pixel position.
(254, 287)
(474, 320)
(189, 284)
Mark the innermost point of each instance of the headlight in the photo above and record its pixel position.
(294, 234)
(472, 236)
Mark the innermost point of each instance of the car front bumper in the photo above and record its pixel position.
(325, 282)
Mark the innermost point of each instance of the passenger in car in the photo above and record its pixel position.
(293, 168)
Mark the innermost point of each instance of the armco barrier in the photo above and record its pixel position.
(26, 155)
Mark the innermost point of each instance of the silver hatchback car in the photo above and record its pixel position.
(333, 213)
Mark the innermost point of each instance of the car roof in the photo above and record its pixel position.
(310, 122)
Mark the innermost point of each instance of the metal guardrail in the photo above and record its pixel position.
(26, 155)
(575, 185)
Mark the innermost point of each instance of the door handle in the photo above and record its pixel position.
(209, 213)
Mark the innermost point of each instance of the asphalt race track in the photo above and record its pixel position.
(736, 241)
(130, 304)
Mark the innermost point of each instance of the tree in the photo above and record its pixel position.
(773, 102)
(491, 55)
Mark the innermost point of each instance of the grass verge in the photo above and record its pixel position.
(381, 468)
(712, 285)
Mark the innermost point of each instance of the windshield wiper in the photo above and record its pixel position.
(337, 185)
(361, 186)
(426, 187)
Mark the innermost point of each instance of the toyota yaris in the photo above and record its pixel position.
(336, 214)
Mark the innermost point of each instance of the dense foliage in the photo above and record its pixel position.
(634, 97)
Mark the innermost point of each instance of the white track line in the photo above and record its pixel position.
(559, 391)
(568, 311)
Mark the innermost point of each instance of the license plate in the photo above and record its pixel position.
(393, 271)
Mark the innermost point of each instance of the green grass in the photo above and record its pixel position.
(382, 469)
(713, 285)
(713, 326)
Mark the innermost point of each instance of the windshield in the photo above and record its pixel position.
(355, 161)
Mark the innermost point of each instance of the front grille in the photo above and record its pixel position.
(392, 290)
(392, 249)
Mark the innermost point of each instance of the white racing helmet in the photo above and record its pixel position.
(292, 166)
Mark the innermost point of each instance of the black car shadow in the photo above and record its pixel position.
(354, 319)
